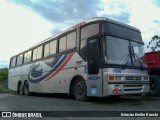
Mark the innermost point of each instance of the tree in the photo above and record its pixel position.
(154, 44)
(3, 76)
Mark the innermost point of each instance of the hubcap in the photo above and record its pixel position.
(79, 88)
(153, 86)
(21, 89)
(26, 90)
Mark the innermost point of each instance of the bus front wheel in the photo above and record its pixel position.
(154, 86)
(80, 90)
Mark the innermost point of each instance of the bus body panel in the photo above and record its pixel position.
(94, 84)
(57, 83)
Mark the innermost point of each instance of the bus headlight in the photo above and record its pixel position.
(119, 77)
(146, 78)
(113, 77)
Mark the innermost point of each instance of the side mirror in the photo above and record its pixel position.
(93, 57)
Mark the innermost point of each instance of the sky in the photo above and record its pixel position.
(24, 23)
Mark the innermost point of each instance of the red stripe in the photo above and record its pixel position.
(62, 66)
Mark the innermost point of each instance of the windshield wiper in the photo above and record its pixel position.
(136, 56)
(129, 55)
(126, 61)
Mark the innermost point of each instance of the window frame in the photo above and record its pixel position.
(27, 57)
(11, 61)
(91, 23)
(65, 34)
(19, 56)
(86, 39)
(60, 42)
(72, 39)
(42, 51)
(57, 39)
(49, 47)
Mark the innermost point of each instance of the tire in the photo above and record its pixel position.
(26, 88)
(154, 86)
(80, 90)
(20, 88)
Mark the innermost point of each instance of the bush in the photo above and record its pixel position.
(3, 77)
(4, 74)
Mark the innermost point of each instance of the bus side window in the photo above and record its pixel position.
(84, 49)
(37, 53)
(71, 40)
(53, 47)
(20, 59)
(27, 57)
(89, 30)
(13, 62)
(62, 44)
(46, 50)
(86, 32)
(50, 48)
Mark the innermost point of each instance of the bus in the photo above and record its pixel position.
(99, 57)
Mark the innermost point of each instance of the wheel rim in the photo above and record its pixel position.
(80, 88)
(153, 85)
(20, 89)
(26, 89)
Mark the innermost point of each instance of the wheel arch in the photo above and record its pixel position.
(26, 81)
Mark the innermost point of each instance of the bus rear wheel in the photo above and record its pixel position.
(80, 90)
(26, 88)
(20, 88)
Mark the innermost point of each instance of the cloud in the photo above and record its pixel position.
(123, 17)
(115, 9)
(65, 13)
(143, 14)
(62, 11)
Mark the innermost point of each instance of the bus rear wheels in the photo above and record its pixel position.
(20, 88)
(80, 90)
(26, 88)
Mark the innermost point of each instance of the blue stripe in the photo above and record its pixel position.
(37, 75)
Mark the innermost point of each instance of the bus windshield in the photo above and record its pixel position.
(123, 52)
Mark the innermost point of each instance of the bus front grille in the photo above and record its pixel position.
(133, 88)
(133, 78)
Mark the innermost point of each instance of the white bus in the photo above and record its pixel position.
(98, 57)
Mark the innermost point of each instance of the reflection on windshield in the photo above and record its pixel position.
(138, 56)
(117, 52)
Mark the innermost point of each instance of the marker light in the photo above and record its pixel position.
(111, 77)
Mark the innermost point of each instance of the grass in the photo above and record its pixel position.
(6, 91)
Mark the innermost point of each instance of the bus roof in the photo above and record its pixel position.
(81, 24)
(86, 22)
